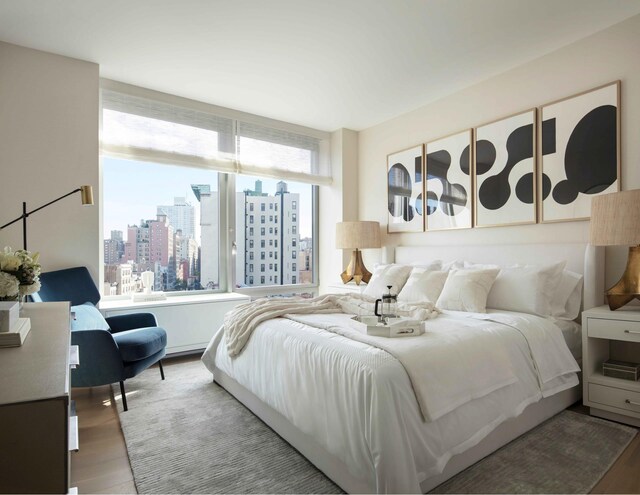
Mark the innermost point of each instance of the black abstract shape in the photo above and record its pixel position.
(548, 136)
(496, 190)
(432, 202)
(485, 156)
(464, 160)
(524, 188)
(399, 183)
(418, 204)
(590, 159)
(546, 186)
(418, 169)
(438, 164)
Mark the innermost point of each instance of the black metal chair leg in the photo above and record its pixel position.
(161, 369)
(124, 396)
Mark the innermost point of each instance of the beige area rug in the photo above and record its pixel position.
(188, 435)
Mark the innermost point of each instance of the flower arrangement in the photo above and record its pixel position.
(19, 274)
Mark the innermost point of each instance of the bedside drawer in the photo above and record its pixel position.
(615, 397)
(614, 329)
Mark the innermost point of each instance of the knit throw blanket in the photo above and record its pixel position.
(240, 322)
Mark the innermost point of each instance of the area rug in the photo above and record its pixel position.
(188, 435)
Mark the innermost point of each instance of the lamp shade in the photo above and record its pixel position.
(357, 235)
(615, 219)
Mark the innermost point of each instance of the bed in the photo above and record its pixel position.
(352, 410)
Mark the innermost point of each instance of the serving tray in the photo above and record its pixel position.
(396, 327)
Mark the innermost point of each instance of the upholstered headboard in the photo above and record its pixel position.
(580, 257)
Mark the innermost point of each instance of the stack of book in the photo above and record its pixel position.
(13, 329)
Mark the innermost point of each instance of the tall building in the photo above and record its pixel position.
(120, 277)
(267, 237)
(209, 236)
(181, 216)
(114, 248)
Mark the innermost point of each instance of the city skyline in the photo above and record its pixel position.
(133, 190)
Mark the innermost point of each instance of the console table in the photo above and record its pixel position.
(37, 426)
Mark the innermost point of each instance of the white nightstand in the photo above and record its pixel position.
(606, 335)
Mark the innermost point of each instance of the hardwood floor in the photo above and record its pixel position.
(102, 464)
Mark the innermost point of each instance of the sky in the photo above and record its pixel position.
(132, 190)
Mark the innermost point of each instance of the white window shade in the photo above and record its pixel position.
(162, 131)
(272, 152)
(153, 131)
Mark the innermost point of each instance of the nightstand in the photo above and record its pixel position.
(350, 288)
(606, 335)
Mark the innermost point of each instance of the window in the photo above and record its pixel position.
(262, 267)
(294, 267)
(294, 279)
(270, 266)
(293, 242)
(294, 254)
(147, 136)
(262, 280)
(261, 255)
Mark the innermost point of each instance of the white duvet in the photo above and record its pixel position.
(358, 401)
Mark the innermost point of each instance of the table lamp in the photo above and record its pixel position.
(356, 236)
(615, 221)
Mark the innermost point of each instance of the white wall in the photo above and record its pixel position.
(601, 58)
(48, 147)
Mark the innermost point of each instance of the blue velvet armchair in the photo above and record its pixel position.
(111, 349)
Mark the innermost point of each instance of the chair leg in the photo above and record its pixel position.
(161, 369)
(124, 396)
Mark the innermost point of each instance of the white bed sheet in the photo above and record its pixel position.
(572, 333)
(357, 400)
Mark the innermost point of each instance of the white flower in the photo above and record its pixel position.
(9, 285)
(10, 263)
(27, 290)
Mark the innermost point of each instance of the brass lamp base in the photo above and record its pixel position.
(628, 287)
(356, 270)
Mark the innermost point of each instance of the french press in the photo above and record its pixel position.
(388, 304)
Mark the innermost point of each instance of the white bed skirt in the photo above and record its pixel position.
(532, 416)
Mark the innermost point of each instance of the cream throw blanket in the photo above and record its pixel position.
(240, 322)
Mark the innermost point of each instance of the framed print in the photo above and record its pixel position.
(580, 152)
(404, 191)
(504, 171)
(448, 185)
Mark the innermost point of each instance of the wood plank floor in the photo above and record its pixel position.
(102, 464)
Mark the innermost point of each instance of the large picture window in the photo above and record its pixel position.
(166, 166)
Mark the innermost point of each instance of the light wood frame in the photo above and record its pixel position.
(471, 180)
(534, 171)
(541, 157)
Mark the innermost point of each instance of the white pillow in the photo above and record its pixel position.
(428, 265)
(467, 290)
(450, 265)
(568, 296)
(423, 285)
(526, 288)
(384, 275)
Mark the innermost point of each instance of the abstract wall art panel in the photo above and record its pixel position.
(580, 148)
(505, 171)
(448, 190)
(405, 189)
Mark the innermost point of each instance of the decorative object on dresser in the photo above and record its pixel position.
(115, 348)
(505, 171)
(405, 191)
(356, 236)
(448, 190)
(580, 152)
(86, 194)
(19, 272)
(615, 221)
(611, 336)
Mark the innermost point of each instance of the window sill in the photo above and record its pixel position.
(172, 301)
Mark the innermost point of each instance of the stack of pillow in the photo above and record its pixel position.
(543, 290)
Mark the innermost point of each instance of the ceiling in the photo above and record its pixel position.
(325, 64)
